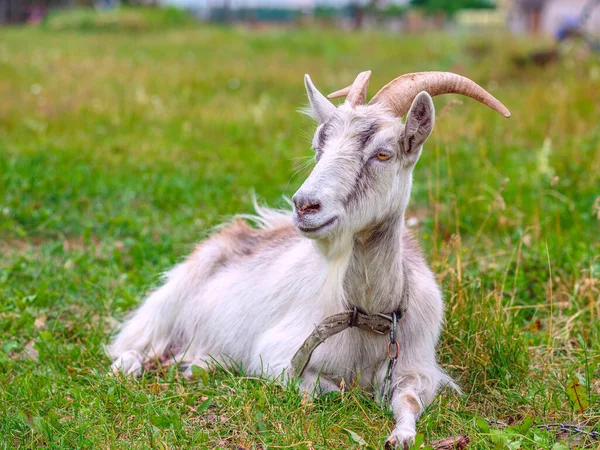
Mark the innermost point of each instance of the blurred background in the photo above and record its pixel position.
(552, 17)
(129, 128)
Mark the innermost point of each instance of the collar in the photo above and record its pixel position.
(332, 325)
(377, 323)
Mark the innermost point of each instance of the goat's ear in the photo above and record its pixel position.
(321, 109)
(419, 124)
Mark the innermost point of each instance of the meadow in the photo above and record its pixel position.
(120, 150)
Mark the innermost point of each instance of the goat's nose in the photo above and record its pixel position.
(306, 205)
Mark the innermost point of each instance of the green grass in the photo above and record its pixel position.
(118, 152)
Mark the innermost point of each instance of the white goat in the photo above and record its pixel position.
(252, 296)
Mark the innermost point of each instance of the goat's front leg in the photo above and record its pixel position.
(411, 395)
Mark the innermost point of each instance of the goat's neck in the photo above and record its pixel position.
(374, 280)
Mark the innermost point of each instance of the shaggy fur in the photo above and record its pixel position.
(251, 296)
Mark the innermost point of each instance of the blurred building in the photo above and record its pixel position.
(200, 7)
(289, 4)
(550, 16)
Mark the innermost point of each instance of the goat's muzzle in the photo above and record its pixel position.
(309, 216)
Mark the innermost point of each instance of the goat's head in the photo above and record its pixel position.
(365, 154)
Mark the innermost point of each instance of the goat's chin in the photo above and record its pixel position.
(317, 230)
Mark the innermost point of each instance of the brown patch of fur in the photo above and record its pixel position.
(361, 185)
(239, 240)
(376, 235)
(367, 134)
(413, 404)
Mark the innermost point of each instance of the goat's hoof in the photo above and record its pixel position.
(399, 440)
(186, 370)
(129, 363)
(391, 443)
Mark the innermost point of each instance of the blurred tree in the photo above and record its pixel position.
(450, 7)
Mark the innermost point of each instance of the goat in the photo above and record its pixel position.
(251, 296)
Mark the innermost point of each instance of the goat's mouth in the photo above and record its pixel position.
(317, 228)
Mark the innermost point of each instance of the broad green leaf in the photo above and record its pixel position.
(161, 421)
(204, 406)
(523, 427)
(357, 439)
(514, 445)
(482, 425)
(419, 440)
(46, 336)
(200, 374)
(577, 392)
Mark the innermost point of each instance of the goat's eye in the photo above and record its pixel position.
(383, 156)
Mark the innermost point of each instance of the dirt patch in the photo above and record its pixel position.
(34, 245)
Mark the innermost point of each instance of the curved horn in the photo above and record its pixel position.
(356, 93)
(399, 93)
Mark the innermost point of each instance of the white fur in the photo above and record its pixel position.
(257, 307)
